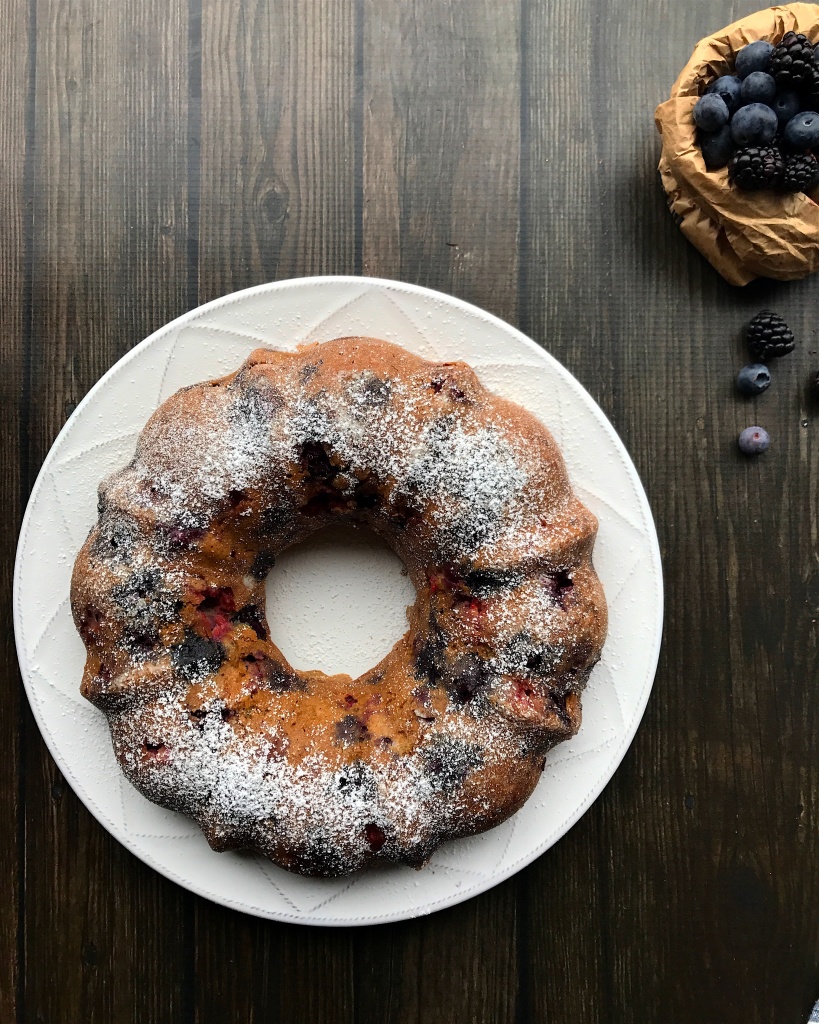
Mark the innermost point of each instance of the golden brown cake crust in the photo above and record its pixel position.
(447, 735)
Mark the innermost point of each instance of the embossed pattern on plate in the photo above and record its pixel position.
(210, 341)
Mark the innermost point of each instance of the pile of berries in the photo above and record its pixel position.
(768, 337)
(762, 121)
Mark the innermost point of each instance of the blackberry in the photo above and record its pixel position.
(769, 336)
(810, 89)
(800, 173)
(791, 61)
(756, 167)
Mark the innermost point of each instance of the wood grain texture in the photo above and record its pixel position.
(441, 100)
(698, 836)
(15, 225)
(156, 155)
(108, 188)
(277, 199)
(277, 153)
(441, 151)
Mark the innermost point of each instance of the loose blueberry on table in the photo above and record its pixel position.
(754, 440)
(768, 337)
(753, 379)
(762, 121)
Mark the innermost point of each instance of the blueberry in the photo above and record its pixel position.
(729, 87)
(802, 131)
(753, 379)
(561, 585)
(262, 564)
(448, 761)
(754, 57)
(470, 675)
(754, 440)
(197, 656)
(785, 105)
(483, 582)
(754, 125)
(316, 462)
(717, 147)
(711, 113)
(351, 730)
(758, 88)
(251, 615)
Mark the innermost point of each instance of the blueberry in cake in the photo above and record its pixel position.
(448, 734)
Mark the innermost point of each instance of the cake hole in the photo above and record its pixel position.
(338, 601)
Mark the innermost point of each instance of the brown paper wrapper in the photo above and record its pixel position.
(743, 235)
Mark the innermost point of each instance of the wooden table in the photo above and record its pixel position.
(155, 154)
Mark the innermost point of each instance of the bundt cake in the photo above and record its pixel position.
(447, 735)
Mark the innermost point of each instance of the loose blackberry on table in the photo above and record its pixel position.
(769, 337)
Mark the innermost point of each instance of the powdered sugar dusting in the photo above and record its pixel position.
(447, 735)
(236, 784)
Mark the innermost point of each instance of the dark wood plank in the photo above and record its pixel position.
(109, 191)
(441, 93)
(702, 840)
(15, 79)
(506, 154)
(278, 154)
(249, 969)
(277, 200)
(459, 964)
(441, 147)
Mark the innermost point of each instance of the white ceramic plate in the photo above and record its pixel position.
(211, 341)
